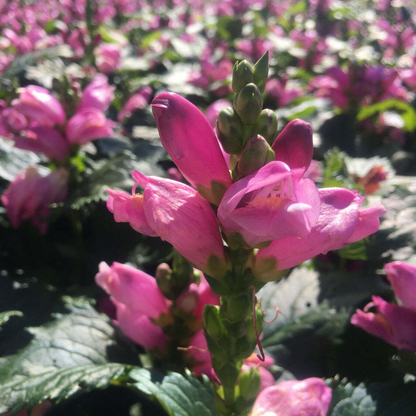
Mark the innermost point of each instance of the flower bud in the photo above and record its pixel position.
(230, 131)
(242, 75)
(250, 383)
(261, 71)
(256, 153)
(213, 325)
(163, 278)
(248, 104)
(266, 125)
(238, 306)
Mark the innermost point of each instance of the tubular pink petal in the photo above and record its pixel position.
(294, 146)
(191, 142)
(402, 276)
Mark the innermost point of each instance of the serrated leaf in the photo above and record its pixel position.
(376, 399)
(179, 395)
(56, 385)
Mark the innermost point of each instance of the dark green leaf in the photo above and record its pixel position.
(179, 395)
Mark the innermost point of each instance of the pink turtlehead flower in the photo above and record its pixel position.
(310, 397)
(191, 142)
(395, 324)
(37, 104)
(88, 124)
(211, 113)
(13, 120)
(138, 101)
(108, 58)
(46, 140)
(98, 94)
(277, 91)
(176, 213)
(135, 289)
(30, 194)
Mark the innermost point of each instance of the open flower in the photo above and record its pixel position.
(310, 397)
(395, 324)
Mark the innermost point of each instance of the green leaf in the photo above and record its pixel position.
(375, 399)
(55, 385)
(179, 395)
(408, 113)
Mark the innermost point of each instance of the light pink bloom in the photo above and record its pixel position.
(46, 140)
(30, 194)
(138, 101)
(139, 327)
(37, 104)
(13, 120)
(340, 222)
(108, 58)
(88, 124)
(395, 324)
(135, 289)
(98, 94)
(176, 213)
(270, 204)
(266, 377)
(310, 397)
(191, 143)
(211, 113)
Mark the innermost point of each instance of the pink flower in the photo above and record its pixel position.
(37, 104)
(30, 194)
(98, 94)
(88, 124)
(135, 289)
(176, 213)
(108, 58)
(13, 120)
(310, 397)
(138, 101)
(395, 324)
(191, 143)
(46, 140)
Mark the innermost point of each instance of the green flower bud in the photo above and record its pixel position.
(249, 383)
(261, 71)
(230, 131)
(248, 104)
(256, 153)
(238, 306)
(164, 278)
(229, 373)
(242, 75)
(213, 325)
(266, 125)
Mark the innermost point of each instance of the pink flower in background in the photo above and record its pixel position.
(30, 194)
(46, 140)
(136, 102)
(395, 324)
(277, 91)
(176, 213)
(108, 58)
(309, 397)
(98, 94)
(13, 120)
(37, 104)
(88, 124)
(211, 71)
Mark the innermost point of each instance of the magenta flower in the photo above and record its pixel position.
(37, 104)
(310, 397)
(211, 113)
(88, 124)
(46, 140)
(108, 58)
(191, 143)
(138, 101)
(133, 288)
(270, 204)
(98, 94)
(13, 120)
(29, 196)
(176, 213)
(395, 324)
